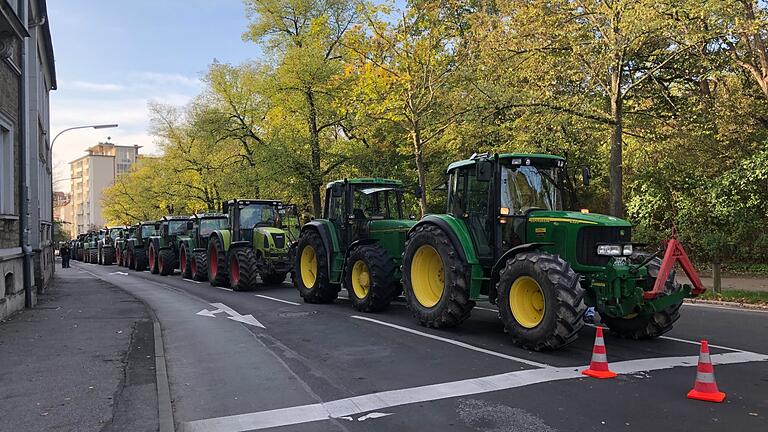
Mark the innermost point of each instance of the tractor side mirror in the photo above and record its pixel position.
(157, 226)
(484, 170)
(585, 175)
(190, 225)
(417, 192)
(337, 190)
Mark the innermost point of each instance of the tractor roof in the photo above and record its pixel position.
(208, 216)
(147, 223)
(368, 180)
(175, 217)
(253, 201)
(472, 160)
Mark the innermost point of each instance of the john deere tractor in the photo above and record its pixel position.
(255, 244)
(137, 246)
(358, 244)
(193, 258)
(164, 245)
(507, 238)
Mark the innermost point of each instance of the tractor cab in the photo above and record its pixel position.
(202, 225)
(250, 215)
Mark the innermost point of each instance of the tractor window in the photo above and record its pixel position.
(115, 233)
(337, 208)
(147, 231)
(177, 227)
(477, 209)
(528, 187)
(257, 214)
(207, 226)
(377, 203)
(456, 198)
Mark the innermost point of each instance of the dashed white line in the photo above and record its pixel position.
(225, 289)
(192, 280)
(453, 342)
(486, 309)
(277, 300)
(378, 401)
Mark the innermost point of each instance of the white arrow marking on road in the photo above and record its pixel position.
(119, 273)
(233, 315)
(374, 415)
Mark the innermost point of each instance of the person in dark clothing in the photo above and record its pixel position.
(64, 253)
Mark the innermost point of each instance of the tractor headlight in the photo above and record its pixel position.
(609, 250)
(627, 250)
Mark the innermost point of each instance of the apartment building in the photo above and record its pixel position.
(90, 175)
(27, 75)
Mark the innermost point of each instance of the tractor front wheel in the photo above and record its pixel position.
(139, 259)
(435, 279)
(166, 262)
(312, 279)
(540, 301)
(153, 258)
(108, 256)
(217, 262)
(243, 268)
(368, 278)
(653, 325)
(199, 266)
(185, 262)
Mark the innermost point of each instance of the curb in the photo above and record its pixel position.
(729, 304)
(164, 407)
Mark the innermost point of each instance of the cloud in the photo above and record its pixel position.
(151, 79)
(92, 86)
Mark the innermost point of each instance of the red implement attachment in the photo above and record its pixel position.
(675, 253)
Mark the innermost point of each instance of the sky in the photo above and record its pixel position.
(113, 57)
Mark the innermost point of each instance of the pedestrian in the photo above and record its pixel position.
(64, 253)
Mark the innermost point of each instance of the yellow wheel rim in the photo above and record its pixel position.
(427, 276)
(526, 300)
(361, 279)
(308, 266)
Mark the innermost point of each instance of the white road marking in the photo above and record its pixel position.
(486, 309)
(724, 307)
(192, 280)
(683, 340)
(225, 289)
(342, 408)
(453, 342)
(119, 273)
(278, 300)
(233, 315)
(373, 415)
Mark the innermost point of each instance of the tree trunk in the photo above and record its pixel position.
(616, 174)
(314, 143)
(417, 152)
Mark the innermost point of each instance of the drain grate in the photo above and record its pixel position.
(302, 314)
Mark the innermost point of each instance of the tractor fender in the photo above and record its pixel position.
(502, 261)
(224, 235)
(457, 232)
(322, 228)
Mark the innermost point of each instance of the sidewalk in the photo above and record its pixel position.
(82, 360)
(731, 283)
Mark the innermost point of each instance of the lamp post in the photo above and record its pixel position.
(97, 126)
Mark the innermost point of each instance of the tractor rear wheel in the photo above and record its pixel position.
(435, 279)
(243, 268)
(185, 262)
(107, 256)
(217, 262)
(199, 266)
(153, 258)
(93, 256)
(273, 278)
(653, 325)
(139, 259)
(369, 278)
(166, 262)
(312, 279)
(540, 301)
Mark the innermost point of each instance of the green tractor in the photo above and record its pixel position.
(163, 251)
(106, 246)
(256, 244)
(121, 246)
(91, 246)
(507, 238)
(193, 258)
(136, 248)
(77, 247)
(358, 244)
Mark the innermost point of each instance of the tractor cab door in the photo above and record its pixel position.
(336, 211)
(469, 199)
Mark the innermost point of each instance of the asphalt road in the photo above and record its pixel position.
(284, 365)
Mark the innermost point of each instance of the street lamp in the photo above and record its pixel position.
(97, 126)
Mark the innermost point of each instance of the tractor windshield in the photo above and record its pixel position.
(528, 187)
(257, 215)
(114, 233)
(177, 227)
(377, 202)
(147, 231)
(207, 226)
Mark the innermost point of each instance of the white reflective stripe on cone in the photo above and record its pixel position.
(600, 358)
(705, 377)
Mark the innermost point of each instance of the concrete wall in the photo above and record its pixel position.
(102, 175)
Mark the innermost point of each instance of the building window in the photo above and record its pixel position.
(7, 168)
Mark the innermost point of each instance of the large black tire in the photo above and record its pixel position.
(442, 299)
(558, 304)
(217, 262)
(130, 260)
(166, 262)
(243, 269)
(312, 279)
(107, 256)
(152, 259)
(199, 266)
(369, 278)
(140, 259)
(273, 278)
(653, 325)
(185, 262)
(93, 256)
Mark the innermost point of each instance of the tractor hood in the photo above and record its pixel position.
(576, 218)
(385, 225)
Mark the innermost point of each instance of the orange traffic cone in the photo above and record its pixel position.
(705, 387)
(598, 368)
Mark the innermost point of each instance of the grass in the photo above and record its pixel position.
(738, 296)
